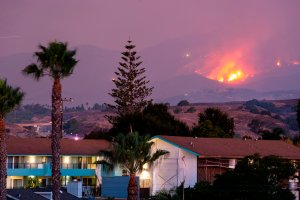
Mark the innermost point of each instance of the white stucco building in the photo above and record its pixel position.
(192, 160)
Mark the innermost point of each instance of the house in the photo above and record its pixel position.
(29, 162)
(192, 160)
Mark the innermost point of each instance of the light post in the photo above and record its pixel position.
(62, 113)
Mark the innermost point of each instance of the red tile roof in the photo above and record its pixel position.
(42, 146)
(234, 148)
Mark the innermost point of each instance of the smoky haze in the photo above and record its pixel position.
(176, 39)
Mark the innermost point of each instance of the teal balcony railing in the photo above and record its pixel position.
(44, 169)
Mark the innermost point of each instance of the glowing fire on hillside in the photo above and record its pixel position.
(230, 72)
(229, 68)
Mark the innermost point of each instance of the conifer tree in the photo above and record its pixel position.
(131, 90)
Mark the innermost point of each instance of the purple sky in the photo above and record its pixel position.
(213, 33)
(108, 23)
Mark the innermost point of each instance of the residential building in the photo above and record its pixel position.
(29, 162)
(192, 160)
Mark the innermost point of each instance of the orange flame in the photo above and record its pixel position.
(228, 66)
(230, 72)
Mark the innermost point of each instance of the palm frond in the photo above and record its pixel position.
(33, 70)
(9, 97)
(158, 154)
(55, 59)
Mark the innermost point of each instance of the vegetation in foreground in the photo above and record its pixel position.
(254, 178)
(58, 62)
(9, 98)
(131, 152)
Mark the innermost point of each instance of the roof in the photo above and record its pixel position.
(29, 194)
(233, 148)
(42, 146)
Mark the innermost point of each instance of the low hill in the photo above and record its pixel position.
(249, 118)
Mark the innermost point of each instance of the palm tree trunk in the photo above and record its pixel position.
(56, 136)
(132, 188)
(3, 158)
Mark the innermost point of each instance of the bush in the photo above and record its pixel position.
(183, 103)
(191, 110)
(177, 110)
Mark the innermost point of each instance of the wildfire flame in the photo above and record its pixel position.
(230, 72)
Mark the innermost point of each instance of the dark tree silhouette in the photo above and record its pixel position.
(256, 178)
(58, 62)
(214, 123)
(9, 98)
(131, 91)
(153, 120)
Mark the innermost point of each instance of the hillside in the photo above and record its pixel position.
(249, 117)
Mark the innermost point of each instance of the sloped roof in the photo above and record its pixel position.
(30, 194)
(42, 146)
(233, 148)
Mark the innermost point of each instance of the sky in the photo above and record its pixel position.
(240, 39)
(108, 23)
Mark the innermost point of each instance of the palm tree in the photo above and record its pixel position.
(131, 152)
(57, 62)
(9, 98)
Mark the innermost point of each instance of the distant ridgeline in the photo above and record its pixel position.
(25, 113)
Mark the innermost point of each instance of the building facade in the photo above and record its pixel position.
(29, 162)
(193, 160)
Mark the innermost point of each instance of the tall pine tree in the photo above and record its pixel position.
(131, 91)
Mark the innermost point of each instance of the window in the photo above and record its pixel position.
(145, 183)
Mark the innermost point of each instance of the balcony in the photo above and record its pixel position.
(28, 169)
(44, 169)
(77, 169)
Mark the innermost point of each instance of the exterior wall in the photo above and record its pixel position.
(172, 169)
(208, 168)
(22, 167)
(116, 186)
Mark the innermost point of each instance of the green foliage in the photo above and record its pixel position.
(27, 112)
(71, 126)
(131, 91)
(131, 152)
(183, 103)
(165, 195)
(58, 62)
(9, 98)
(191, 110)
(276, 134)
(79, 108)
(100, 107)
(292, 122)
(261, 107)
(207, 129)
(153, 120)
(214, 123)
(55, 60)
(177, 110)
(255, 125)
(201, 190)
(31, 182)
(255, 178)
